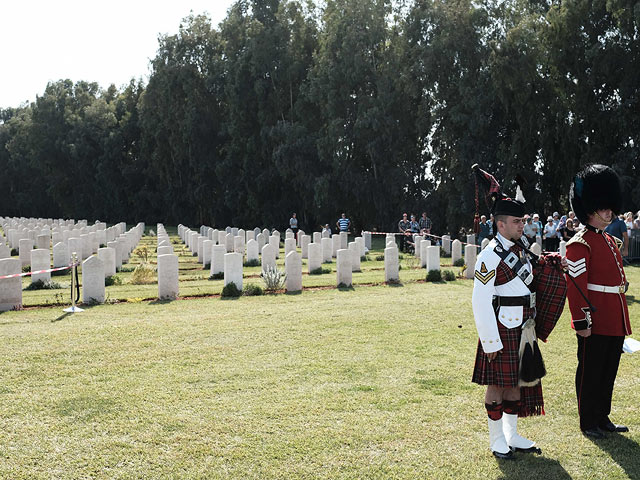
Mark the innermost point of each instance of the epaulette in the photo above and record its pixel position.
(579, 238)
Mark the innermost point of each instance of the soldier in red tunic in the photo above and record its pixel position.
(596, 296)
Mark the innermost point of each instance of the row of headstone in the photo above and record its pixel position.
(97, 268)
(168, 285)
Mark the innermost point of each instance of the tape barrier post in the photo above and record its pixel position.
(74, 274)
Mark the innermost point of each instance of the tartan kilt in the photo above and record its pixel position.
(503, 371)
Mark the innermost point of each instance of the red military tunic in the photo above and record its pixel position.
(595, 264)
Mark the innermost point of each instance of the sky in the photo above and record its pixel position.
(104, 42)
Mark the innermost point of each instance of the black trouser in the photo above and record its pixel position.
(598, 360)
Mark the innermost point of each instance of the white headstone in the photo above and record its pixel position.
(315, 256)
(344, 271)
(305, 240)
(117, 247)
(10, 288)
(252, 250)
(317, 237)
(433, 258)
(335, 244)
(5, 252)
(229, 242)
(293, 269)
(355, 256)
(43, 241)
(268, 257)
(417, 240)
(344, 240)
(93, 280)
(289, 245)
(217, 259)
(274, 241)
(456, 251)
(391, 264)
(327, 249)
(233, 269)
(485, 242)
(446, 243)
(367, 240)
(168, 276)
(200, 248)
(471, 240)
(262, 239)
(108, 257)
(470, 254)
(206, 252)
(361, 246)
(40, 260)
(24, 251)
(423, 252)
(169, 250)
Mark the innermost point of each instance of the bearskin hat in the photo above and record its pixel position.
(593, 188)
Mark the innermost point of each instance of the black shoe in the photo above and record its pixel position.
(594, 433)
(503, 456)
(535, 450)
(612, 427)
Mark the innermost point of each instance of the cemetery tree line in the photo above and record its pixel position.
(370, 107)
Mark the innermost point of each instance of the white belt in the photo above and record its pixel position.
(605, 288)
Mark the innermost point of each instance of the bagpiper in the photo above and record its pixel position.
(596, 294)
(508, 278)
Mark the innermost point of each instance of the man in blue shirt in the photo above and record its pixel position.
(485, 229)
(343, 223)
(618, 229)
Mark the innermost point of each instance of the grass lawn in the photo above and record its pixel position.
(372, 382)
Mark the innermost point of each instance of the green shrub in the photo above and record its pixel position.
(252, 290)
(434, 276)
(26, 268)
(112, 280)
(448, 275)
(380, 258)
(400, 257)
(14, 252)
(42, 285)
(365, 258)
(252, 263)
(444, 254)
(128, 268)
(459, 262)
(60, 273)
(320, 271)
(230, 290)
(216, 276)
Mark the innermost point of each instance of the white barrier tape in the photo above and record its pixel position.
(427, 234)
(26, 274)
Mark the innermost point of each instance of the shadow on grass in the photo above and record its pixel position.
(632, 299)
(395, 284)
(297, 292)
(624, 451)
(163, 301)
(62, 317)
(344, 288)
(529, 466)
